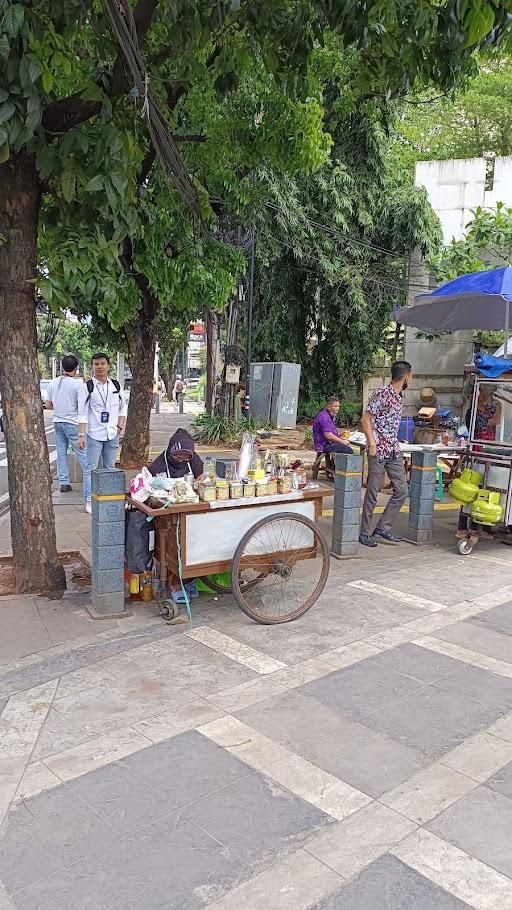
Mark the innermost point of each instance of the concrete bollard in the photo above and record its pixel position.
(421, 496)
(347, 501)
(108, 511)
(156, 402)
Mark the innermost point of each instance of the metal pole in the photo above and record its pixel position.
(507, 328)
(249, 318)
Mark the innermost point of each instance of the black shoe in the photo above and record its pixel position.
(386, 536)
(66, 488)
(367, 540)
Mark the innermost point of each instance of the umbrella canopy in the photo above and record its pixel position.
(479, 300)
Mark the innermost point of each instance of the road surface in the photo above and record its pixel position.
(4, 485)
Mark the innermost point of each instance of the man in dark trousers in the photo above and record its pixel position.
(381, 424)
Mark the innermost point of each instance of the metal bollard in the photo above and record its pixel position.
(347, 501)
(156, 402)
(108, 508)
(180, 402)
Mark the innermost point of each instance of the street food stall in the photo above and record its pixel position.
(252, 532)
(480, 300)
(277, 557)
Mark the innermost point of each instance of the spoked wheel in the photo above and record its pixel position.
(215, 586)
(280, 568)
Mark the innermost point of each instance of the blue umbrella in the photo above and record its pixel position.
(480, 300)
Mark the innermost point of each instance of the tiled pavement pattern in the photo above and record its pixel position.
(360, 758)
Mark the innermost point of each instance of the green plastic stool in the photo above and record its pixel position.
(439, 490)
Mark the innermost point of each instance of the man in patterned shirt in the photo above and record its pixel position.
(381, 423)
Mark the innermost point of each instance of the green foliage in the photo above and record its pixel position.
(216, 430)
(349, 413)
(475, 121)
(332, 250)
(487, 244)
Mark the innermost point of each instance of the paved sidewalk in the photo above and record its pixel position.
(357, 759)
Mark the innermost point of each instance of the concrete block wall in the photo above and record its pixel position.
(347, 498)
(421, 496)
(108, 513)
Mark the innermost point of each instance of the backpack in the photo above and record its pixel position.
(90, 389)
(179, 386)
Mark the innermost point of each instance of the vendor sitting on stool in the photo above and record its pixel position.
(488, 418)
(326, 437)
(177, 460)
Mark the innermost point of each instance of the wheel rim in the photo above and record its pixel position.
(280, 568)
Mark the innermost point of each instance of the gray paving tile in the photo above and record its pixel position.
(172, 865)
(123, 799)
(47, 833)
(361, 689)
(388, 884)
(501, 782)
(481, 824)
(478, 637)
(499, 618)
(57, 734)
(417, 663)
(443, 714)
(76, 658)
(257, 818)
(370, 761)
(185, 768)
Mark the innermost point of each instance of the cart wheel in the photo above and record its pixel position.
(168, 610)
(279, 568)
(465, 547)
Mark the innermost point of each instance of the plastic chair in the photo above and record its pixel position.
(439, 490)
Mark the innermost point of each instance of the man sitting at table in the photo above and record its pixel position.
(326, 437)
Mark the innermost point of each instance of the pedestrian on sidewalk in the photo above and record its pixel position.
(62, 399)
(102, 411)
(381, 425)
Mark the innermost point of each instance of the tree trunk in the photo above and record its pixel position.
(167, 380)
(141, 340)
(212, 347)
(36, 566)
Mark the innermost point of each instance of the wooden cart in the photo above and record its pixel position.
(271, 545)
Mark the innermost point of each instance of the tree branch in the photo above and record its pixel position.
(61, 116)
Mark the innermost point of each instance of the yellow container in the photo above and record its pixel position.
(223, 492)
(271, 487)
(284, 484)
(262, 489)
(249, 490)
(236, 490)
(256, 474)
(207, 493)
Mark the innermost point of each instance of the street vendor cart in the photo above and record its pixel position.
(485, 485)
(277, 557)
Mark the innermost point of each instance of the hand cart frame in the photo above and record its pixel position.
(259, 540)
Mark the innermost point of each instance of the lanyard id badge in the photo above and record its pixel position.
(104, 416)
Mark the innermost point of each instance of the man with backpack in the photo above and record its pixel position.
(180, 387)
(102, 410)
(62, 399)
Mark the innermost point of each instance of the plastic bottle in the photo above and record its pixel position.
(135, 586)
(147, 586)
(209, 468)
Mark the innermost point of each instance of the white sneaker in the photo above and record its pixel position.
(88, 507)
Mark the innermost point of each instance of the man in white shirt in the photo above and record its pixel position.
(62, 399)
(102, 409)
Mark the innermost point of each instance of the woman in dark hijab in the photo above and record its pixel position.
(179, 454)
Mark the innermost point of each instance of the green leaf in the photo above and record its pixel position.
(95, 184)
(120, 182)
(111, 196)
(92, 93)
(4, 152)
(33, 104)
(46, 160)
(7, 109)
(34, 70)
(68, 184)
(478, 22)
(4, 47)
(47, 80)
(3, 95)
(14, 17)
